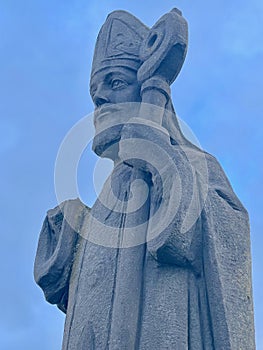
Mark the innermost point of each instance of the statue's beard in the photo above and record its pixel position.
(109, 120)
(105, 143)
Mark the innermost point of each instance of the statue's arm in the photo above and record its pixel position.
(181, 242)
(179, 239)
(57, 246)
(227, 263)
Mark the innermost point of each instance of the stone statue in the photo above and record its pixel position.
(162, 259)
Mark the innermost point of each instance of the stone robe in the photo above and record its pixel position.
(176, 291)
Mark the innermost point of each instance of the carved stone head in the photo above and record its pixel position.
(127, 56)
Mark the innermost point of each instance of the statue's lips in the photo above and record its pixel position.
(104, 111)
(110, 114)
(109, 120)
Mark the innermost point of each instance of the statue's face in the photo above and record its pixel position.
(110, 89)
(115, 85)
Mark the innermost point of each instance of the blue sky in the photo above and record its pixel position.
(46, 53)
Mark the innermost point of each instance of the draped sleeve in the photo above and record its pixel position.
(227, 263)
(57, 245)
(179, 242)
(217, 247)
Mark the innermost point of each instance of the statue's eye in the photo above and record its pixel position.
(118, 84)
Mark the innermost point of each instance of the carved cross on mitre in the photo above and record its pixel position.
(122, 40)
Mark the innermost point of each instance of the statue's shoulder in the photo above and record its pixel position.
(204, 162)
(69, 204)
(220, 184)
(209, 163)
(73, 210)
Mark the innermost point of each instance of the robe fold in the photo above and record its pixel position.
(179, 290)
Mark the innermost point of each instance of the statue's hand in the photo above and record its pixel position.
(156, 91)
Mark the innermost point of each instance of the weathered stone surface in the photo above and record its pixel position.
(162, 259)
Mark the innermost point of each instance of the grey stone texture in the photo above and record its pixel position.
(189, 286)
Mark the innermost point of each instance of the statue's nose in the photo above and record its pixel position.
(99, 100)
(100, 96)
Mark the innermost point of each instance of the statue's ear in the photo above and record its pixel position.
(164, 50)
